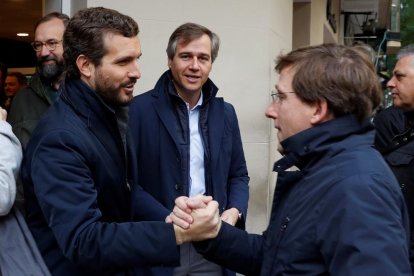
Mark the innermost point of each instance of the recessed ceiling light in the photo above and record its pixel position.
(22, 34)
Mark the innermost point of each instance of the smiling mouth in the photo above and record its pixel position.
(194, 78)
(49, 61)
(130, 87)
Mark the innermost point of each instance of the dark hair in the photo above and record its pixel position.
(187, 33)
(85, 33)
(342, 76)
(53, 15)
(21, 79)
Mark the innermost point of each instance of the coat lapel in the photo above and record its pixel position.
(216, 128)
(166, 113)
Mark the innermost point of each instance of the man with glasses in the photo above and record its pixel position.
(31, 103)
(342, 212)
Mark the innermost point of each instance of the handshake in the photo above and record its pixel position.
(197, 218)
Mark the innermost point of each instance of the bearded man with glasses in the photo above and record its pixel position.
(32, 102)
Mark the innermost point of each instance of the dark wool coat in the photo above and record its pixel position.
(342, 214)
(78, 187)
(159, 127)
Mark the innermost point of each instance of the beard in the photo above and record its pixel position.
(50, 71)
(111, 92)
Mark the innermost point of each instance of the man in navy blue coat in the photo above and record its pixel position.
(341, 211)
(188, 140)
(79, 172)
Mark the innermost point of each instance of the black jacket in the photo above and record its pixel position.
(78, 189)
(341, 214)
(395, 141)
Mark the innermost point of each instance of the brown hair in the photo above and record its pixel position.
(189, 32)
(52, 15)
(342, 76)
(85, 35)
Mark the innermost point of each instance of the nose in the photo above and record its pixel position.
(194, 64)
(391, 83)
(134, 72)
(271, 111)
(44, 51)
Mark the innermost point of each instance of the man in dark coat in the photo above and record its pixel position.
(395, 131)
(79, 172)
(188, 140)
(341, 212)
(33, 101)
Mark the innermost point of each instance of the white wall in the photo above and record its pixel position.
(252, 33)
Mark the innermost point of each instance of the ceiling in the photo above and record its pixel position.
(19, 16)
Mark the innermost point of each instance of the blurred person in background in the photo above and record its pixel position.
(31, 103)
(15, 81)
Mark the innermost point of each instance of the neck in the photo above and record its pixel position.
(190, 97)
(56, 83)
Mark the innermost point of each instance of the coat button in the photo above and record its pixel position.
(176, 187)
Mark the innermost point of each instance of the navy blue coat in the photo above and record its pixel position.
(162, 147)
(159, 127)
(78, 187)
(342, 214)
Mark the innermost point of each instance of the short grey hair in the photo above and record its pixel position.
(406, 51)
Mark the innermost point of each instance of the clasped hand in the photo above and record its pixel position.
(195, 218)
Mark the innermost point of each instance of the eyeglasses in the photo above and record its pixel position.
(51, 44)
(278, 97)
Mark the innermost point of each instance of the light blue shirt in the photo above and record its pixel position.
(197, 177)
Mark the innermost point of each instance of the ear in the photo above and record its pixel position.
(321, 113)
(169, 63)
(84, 65)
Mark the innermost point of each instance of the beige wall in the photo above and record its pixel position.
(252, 34)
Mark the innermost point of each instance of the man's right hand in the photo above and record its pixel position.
(206, 223)
(181, 214)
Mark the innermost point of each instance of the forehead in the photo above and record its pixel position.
(11, 79)
(52, 29)
(119, 45)
(202, 44)
(286, 77)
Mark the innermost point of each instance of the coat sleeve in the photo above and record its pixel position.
(60, 169)
(234, 249)
(363, 228)
(10, 159)
(238, 178)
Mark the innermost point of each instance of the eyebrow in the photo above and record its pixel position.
(127, 57)
(278, 90)
(194, 53)
(398, 72)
